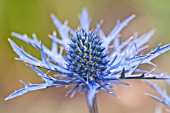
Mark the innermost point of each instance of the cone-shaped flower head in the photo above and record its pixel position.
(86, 56)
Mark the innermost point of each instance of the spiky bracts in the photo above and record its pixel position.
(94, 61)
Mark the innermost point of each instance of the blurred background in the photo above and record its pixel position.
(32, 16)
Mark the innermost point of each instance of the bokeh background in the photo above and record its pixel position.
(32, 16)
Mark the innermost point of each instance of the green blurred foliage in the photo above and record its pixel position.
(32, 16)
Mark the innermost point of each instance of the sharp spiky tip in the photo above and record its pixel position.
(52, 15)
(9, 98)
(133, 16)
(9, 39)
(6, 98)
(12, 33)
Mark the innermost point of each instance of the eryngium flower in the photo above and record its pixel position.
(94, 61)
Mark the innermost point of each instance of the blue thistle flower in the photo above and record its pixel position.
(94, 61)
